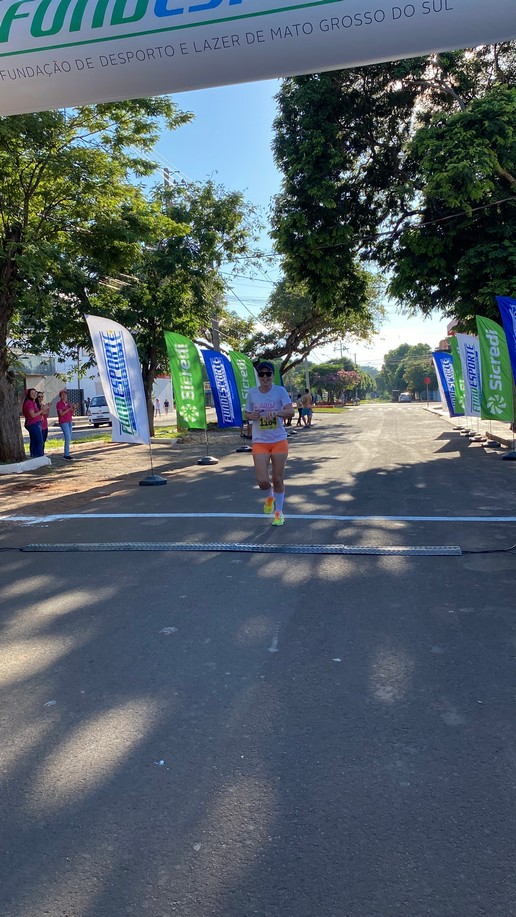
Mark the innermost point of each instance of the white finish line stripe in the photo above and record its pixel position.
(61, 517)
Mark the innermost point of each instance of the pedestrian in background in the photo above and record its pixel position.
(40, 401)
(157, 408)
(299, 406)
(166, 405)
(65, 412)
(306, 408)
(33, 415)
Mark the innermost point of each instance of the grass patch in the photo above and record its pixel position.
(326, 410)
(54, 445)
(166, 433)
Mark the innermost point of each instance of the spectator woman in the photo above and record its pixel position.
(65, 412)
(44, 417)
(33, 418)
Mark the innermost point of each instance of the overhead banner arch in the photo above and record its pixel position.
(60, 53)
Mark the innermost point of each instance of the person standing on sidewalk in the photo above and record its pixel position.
(65, 412)
(267, 405)
(44, 417)
(33, 416)
(157, 408)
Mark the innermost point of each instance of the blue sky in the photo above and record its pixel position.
(229, 141)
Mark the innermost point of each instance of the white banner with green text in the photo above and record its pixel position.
(64, 53)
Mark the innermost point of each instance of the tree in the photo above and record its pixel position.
(367, 381)
(354, 188)
(70, 218)
(338, 138)
(296, 324)
(416, 365)
(390, 377)
(334, 377)
(176, 280)
(405, 368)
(459, 251)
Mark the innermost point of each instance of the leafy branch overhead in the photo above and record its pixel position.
(408, 165)
(79, 233)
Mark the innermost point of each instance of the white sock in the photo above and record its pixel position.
(278, 500)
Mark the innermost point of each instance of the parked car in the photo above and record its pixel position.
(405, 396)
(99, 411)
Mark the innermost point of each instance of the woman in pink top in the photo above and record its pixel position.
(64, 416)
(33, 416)
(44, 417)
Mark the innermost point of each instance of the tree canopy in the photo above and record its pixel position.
(78, 234)
(294, 324)
(405, 367)
(175, 280)
(410, 165)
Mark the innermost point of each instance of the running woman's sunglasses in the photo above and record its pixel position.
(265, 373)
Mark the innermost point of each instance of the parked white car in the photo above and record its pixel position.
(405, 396)
(99, 411)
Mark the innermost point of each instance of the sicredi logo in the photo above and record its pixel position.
(49, 18)
(495, 370)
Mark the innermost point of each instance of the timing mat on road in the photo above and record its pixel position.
(215, 547)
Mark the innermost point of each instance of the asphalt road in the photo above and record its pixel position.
(212, 734)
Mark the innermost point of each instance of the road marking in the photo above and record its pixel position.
(62, 517)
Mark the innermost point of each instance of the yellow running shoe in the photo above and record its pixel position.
(279, 518)
(268, 506)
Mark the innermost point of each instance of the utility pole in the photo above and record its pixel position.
(215, 332)
(79, 380)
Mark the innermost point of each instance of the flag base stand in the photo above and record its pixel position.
(152, 480)
(207, 459)
(510, 456)
(244, 449)
(493, 444)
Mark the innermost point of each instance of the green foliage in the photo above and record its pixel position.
(78, 235)
(404, 368)
(295, 324)
(70, 214)
(175, 283)
(410, 164)
(460, 252)
(334, 377)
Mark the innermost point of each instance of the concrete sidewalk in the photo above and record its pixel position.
(499, 431)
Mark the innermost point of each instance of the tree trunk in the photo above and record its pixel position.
(148, 377)
(11, 440)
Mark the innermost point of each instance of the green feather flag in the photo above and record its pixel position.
(187, 381)
(497, 400)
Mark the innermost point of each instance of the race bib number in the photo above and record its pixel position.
(268, 422)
